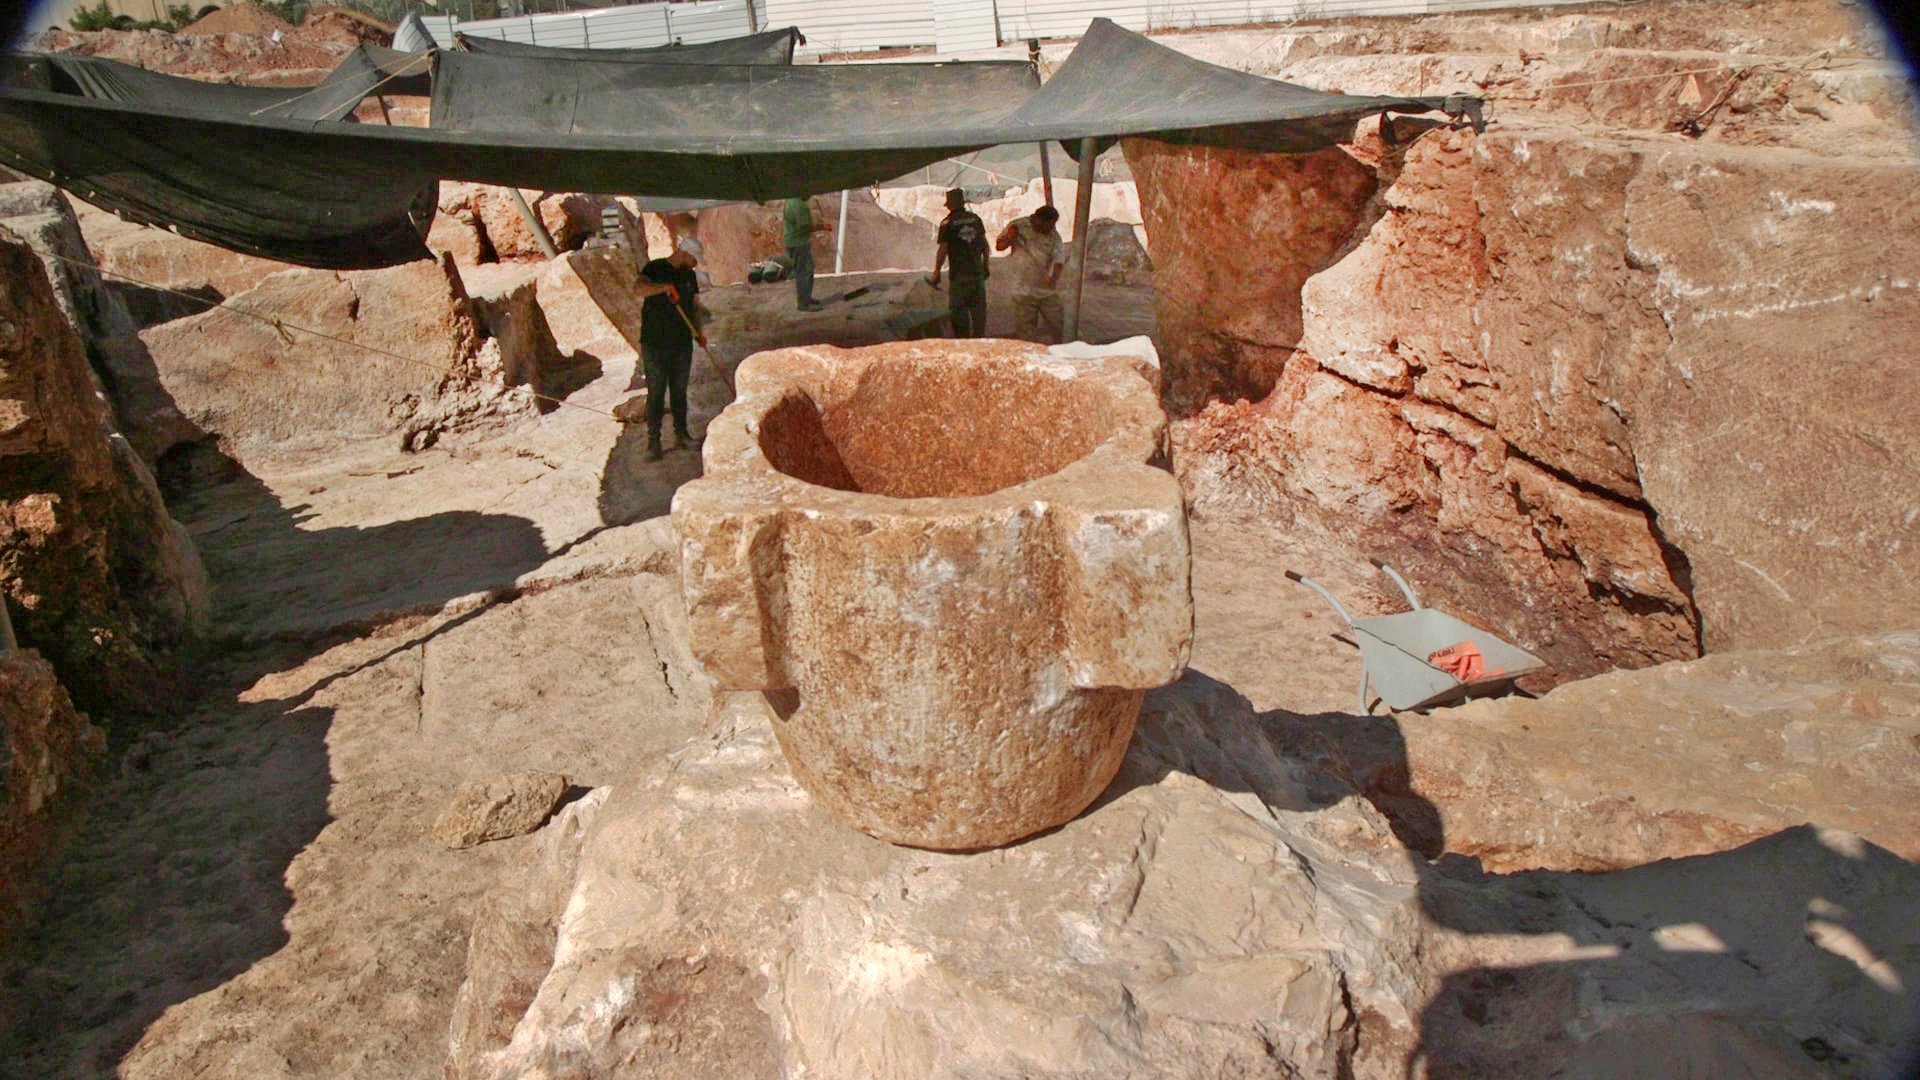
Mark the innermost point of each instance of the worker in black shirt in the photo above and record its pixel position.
(666, 339)
(963, 242)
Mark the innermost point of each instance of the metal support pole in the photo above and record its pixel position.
(539, 231)
(1077, 257)
(840, 237)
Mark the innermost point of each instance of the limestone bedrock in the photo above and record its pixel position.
(953, 566)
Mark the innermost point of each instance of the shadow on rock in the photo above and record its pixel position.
(557, 382)
(155, 856)
(1796, 954)
(274, 578)
(178, 881)
(150, 306)
(633, 488)
(1792, 955)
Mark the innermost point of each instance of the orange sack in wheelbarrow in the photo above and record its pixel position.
(1462, 661)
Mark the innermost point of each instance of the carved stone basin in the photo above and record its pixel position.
(954, 567)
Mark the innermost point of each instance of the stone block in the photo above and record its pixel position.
(953, 568)
(499, 807)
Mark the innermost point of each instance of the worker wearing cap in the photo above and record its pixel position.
(1036, 262)
(669, 325)
(963, 244)
(798, 227)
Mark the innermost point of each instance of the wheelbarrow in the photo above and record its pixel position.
(1394, 651)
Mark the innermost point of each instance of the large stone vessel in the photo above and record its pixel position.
(954, 568)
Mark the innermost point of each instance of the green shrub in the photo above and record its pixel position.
(88, 19)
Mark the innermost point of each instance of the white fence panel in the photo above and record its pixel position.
(1484, 5)
(640, 27)
(1022, 19)
(567, 31)
(441, 27)
(854, 25)
(952, 25)
(964, 25)
(691, 24)
(637, 26)
(1172, 13)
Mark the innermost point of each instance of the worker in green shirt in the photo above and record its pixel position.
(797, 216)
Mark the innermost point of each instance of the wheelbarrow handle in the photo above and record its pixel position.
(1406, 590)
(1317, 587)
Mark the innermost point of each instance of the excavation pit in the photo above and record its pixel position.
(924, 427)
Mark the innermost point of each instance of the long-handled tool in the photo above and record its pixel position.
(726, 380)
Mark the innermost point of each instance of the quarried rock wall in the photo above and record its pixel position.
(45, 746)
(1777, 438)
(96, 304)
(1235, 235)
(1615, 398)
(96, 575)
(309, 358)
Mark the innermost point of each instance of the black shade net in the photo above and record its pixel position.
(226, 165)
(767, 47)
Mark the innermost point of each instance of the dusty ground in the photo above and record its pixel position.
(255, 893)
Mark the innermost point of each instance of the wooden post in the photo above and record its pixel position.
(840, 237)
(8, 642)
(1077, 256)
(1046, 166)
(539, 231)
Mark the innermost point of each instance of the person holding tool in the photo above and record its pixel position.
(669, 325)
(963, 241)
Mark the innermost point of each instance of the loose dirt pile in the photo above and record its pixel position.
(300, 55)
(237, 19)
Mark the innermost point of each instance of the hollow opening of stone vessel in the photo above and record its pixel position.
(940, 427)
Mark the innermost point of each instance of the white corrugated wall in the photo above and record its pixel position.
(637, 26)
(1484, 5)
(640, 27)
(714, 20)
(441, 27)
(1022, 19)
(964, 25)
(853, 25)
(1069, 18)
(951, 25)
